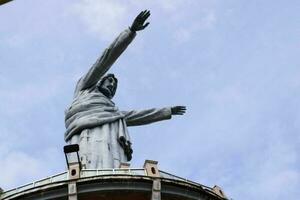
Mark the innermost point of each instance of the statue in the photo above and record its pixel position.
(94, 122)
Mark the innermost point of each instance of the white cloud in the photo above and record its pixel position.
(101, 17)
(182, 35)
(15, 40)
(171, 5)
(20, 98)
(188, 30)
(17, 167)
(107, 18)
(209, 20)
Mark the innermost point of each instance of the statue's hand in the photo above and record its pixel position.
(178, 110)
(138, 23)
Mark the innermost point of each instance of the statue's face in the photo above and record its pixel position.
(108, 87)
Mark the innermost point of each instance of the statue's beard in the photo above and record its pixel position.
(108, 92)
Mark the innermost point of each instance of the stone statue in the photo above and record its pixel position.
(94, 122)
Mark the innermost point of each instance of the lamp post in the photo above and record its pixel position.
(74, 168)
(68, 150)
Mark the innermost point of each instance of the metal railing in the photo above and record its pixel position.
(50, 179)
(92, 173)
(167, 175)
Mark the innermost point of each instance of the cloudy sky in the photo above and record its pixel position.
(234, 64)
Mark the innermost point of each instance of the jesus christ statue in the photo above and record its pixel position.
(94, 122)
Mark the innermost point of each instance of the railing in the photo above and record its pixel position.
(51, 179)
(174, 177)
(94, 172)
(119, 171)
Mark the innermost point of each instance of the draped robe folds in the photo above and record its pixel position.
(95, 123)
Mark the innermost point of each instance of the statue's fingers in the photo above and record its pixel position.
(144, 12)
(140, 15)
(147, 14)
(182, 111)
(181, 108)
(146, 25)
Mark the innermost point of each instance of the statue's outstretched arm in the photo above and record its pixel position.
(142, 117)
(111, 54)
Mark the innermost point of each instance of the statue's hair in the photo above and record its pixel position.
(100, 82)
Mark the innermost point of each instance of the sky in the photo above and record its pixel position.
(234, 64)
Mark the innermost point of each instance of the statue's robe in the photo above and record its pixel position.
(95, 123)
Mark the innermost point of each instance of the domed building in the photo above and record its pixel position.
(147, 183)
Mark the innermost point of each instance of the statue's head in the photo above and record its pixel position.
(108, 85)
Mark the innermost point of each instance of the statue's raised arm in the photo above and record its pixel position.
(111, 54)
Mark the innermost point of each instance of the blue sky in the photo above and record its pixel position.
(234, 64)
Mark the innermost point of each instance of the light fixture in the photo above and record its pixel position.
(74, 164)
